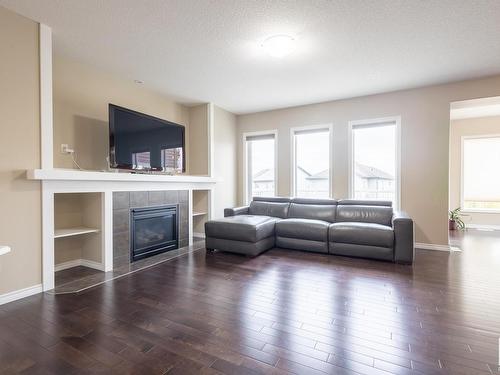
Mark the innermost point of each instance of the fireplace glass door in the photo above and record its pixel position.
(153, 231)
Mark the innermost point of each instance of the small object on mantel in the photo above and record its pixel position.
(4, 250)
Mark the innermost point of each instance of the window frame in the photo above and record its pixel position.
(245, 135)
(462, 201)
(375, 122)
(293, 155)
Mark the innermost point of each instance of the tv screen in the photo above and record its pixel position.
(142, 142)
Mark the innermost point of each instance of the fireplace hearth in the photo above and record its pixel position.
(153, 230)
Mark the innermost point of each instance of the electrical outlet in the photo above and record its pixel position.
(65, 149)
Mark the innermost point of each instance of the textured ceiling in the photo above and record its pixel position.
(208, 50)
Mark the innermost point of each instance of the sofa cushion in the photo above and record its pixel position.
(265, 208)
(365, 214)
(306, 229)
(364, 202)
(250, 228)
(362, 234)
(313, 209)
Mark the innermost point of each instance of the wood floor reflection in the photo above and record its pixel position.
(282, 312)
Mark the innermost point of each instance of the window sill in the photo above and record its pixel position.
(479, 211)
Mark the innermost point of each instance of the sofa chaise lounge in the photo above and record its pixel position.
(357, 228)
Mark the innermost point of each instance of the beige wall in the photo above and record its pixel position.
(81, 97)
(225, 160)
(198, 140)
(458, 129)
(20, 206)
(425, 124)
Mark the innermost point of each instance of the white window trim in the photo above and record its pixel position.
(293, 155)
(375, 121)
(462, 141)
(273, 132)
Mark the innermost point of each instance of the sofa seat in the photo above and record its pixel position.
(248, 228)
(362, 234)
(303, 234)
(364, 240)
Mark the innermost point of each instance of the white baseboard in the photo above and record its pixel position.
(21, 293)
(430, 246)
(201, 235)
(79, 262)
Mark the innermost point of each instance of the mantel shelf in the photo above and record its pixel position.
(57, 174)
(69, 232)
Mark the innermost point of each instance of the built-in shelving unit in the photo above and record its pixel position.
(201, 209)
(77, 227)
(68, 232)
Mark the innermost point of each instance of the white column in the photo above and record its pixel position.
(190, 216)
(107, 230)
(47, 237)
(46, 116)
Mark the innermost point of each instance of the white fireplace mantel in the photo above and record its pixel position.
(59, 174)
(56, 181)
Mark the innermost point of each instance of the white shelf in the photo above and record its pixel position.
(60, 174)
(199, 213)
(68, 232)
(4, 250)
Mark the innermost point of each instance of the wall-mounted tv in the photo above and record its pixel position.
(141, 142)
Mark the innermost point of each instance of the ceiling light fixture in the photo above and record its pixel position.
(279, 46)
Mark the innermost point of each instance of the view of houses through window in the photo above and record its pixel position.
(374, 157)
(311, 163)
(374, 162)
(260, 159)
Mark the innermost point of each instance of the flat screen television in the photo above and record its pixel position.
(141, 142)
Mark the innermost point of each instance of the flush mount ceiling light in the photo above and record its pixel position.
(279, 46)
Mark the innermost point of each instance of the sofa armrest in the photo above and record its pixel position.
(404, 250)
(235, 211)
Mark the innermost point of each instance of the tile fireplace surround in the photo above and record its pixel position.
(123, 201)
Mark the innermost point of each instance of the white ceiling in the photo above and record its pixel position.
(207, 50)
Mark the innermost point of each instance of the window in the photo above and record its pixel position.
(260, 164)
(171, 159)
(374, 172)
(311, 155)
(141, 159)
(481, 173)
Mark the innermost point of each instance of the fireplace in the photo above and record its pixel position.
(153, 230)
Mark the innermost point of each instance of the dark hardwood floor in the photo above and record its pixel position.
(282, 312)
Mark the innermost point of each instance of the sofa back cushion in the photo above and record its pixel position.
(364, 202)
(364, 214)
(313, 209)
(273, 206)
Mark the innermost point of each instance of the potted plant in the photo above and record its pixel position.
(455, 219)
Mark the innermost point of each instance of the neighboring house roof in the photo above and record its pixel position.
(367, 172)
(323, 175)
(264, 175)
(303, 170)
(363, 171)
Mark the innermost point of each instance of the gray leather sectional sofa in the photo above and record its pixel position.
(367, 229)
